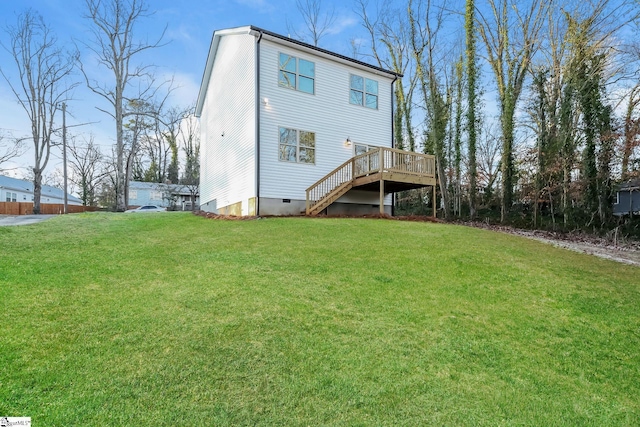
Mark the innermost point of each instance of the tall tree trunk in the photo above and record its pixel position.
(507, 121)
(472, 73)
(37, 190)
(631, 129)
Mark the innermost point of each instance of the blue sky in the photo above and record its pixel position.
(190, 25)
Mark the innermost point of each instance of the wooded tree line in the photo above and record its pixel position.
(151, 136)
(565, 129)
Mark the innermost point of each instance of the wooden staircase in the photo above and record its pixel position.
(381, 169)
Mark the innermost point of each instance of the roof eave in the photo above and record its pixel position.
(279, 38)
(213, 49)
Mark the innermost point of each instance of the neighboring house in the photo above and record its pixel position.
(627, 198)
(277, 115)
(166, 195)
(19, 190)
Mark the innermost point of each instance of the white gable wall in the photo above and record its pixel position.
(328, 113)
(227, 152)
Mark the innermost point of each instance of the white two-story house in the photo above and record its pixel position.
(277, 115)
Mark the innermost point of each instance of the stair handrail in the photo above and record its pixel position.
(328, 183)
(379, 159)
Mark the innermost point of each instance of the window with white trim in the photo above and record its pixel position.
(133, 194)
(12, 197)
(297, 146)
(296, 73)
(155, 195)
(363, 91)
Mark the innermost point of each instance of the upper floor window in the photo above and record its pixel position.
(297, 146)
(296, 73)
(363, 92)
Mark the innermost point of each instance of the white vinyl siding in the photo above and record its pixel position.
(227, 153)
(328, 115)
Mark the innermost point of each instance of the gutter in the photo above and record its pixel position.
(257, 85)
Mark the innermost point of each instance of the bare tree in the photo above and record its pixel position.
(87, 169)
(136, 130)
(113, 23)
(431, 69)
(631, 131)
(43, 69)
(511, 36)
(161, 145)
(488, 160)
(10, 148)
(190, 139)
(390, 29)
(317, 23)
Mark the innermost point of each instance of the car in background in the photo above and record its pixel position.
(146, 208)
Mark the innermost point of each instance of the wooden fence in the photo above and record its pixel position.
(26, 208)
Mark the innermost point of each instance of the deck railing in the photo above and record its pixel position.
(394, 160)
(373, 161)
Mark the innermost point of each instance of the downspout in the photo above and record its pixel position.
(393, 144)
(392, 112)
(258, 123)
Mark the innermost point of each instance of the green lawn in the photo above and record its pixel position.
(173, 319)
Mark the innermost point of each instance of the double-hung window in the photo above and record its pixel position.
(11, 197)
(297, 146)
(363, 92)
(296, 73)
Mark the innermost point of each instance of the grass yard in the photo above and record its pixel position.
(173, 319)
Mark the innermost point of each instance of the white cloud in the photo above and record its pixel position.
(342, 23)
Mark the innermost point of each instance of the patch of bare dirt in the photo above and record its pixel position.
(210, 215)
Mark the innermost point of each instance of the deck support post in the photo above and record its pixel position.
(434, 200)
(381, 168)
(381, 195)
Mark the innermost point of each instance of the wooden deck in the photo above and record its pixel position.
(383, 170)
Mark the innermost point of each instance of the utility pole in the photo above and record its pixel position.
(64, 155)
